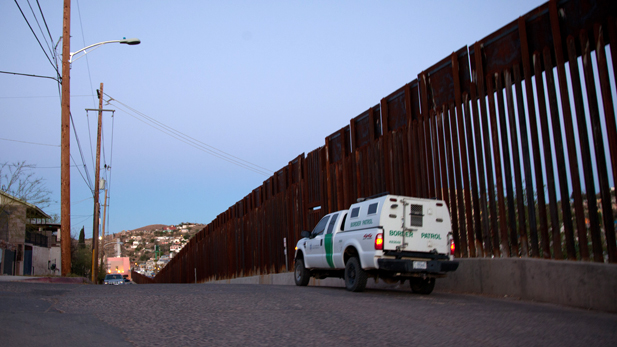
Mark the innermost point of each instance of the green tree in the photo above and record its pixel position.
(81, 260)
(82, 238)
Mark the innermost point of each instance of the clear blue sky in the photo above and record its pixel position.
(262, 80)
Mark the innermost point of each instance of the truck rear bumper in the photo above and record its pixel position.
(428, 266)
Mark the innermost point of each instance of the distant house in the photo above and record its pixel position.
(175, 248)
(119, 265)
(28, 240)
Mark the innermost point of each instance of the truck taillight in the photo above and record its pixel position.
(379, 242)
(452, 247)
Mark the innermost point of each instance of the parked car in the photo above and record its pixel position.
(114, 279)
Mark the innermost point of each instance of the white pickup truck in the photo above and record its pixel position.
(390, 237)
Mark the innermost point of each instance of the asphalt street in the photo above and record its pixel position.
(48, 314)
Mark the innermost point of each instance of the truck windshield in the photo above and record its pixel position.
(320, 227)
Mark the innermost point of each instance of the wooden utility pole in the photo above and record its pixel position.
(97, 207)
(103, 234)
(65, 215)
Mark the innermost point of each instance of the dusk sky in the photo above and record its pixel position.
(263, 81)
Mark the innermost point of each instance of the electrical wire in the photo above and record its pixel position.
(47, 27)
(29, 75)
(82, 176)
(82, 155)
(103, 144)
(37, 97)
(31, 143)
(41, 29)
(190, 140)
(83, 39)
(90, 138)
(108, 168)
(37, 38)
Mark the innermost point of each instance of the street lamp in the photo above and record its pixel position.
(65, 195)
(129, 42)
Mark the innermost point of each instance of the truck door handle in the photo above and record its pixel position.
(321, 242)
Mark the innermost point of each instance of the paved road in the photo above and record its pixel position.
(38, 314)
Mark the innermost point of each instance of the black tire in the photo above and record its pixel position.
(422, 286)
(302, 276)
(355, 276)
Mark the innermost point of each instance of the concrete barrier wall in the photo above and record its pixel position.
(576, 284)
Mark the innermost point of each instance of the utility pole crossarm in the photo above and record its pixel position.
(100, 109)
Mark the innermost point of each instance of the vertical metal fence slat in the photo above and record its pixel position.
(592, 207)
(560, 160)
(442, 155)
(611, 129)
(535, 146)
(531, 207)
(477, 215)
(598, 138)
(548, 156)
(507, 169)
(503, 221)
(463, 153)
(569, 133)
(517, 248)
(483, 205)
(454, 172)
(436, 154)
(493, 224)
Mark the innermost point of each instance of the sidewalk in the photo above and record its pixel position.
(38, 279)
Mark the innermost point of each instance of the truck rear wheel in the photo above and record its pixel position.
(423, 286)
(355, 276)
(302, 276)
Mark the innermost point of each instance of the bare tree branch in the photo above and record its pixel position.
(19, 180)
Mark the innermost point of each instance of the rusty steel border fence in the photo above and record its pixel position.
(510, 131)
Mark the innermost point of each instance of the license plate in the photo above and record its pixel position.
(420, 265)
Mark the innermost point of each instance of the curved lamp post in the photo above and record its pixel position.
(65, 195)
(129, 42)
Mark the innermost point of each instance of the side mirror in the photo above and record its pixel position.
(305, 234)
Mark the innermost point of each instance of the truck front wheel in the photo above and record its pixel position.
(355, 276)
(302, 276)
(423, 286)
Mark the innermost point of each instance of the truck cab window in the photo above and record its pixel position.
(343, 222)
(332, 223)
(320, 227)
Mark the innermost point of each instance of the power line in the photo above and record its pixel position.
(31, 143)
(90, 138)
(47, 27)
(39, 25)
(37, 39)
(53, 167)
(81, 154)
(83, 39)
(192, 141)
(29, 75)
(36, 97)
(78, 170)
(108, 168)
(197, 146)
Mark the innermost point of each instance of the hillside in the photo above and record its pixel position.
(152, 227)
